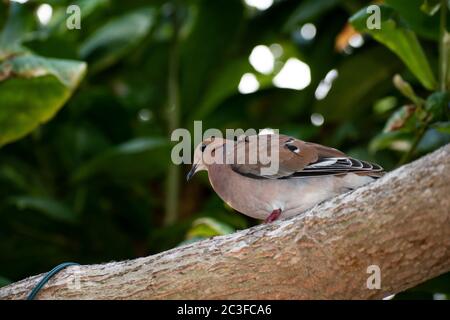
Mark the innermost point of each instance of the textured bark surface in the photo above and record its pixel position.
(401, 223)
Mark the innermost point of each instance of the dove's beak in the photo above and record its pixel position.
(192, 172)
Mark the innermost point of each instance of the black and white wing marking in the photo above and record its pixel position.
(338, 165)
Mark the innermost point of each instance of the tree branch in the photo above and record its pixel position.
(401, 223)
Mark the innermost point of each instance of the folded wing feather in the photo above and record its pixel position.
(296, 159)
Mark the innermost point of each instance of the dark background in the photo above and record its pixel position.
(95, 183)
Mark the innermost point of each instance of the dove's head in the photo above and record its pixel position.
(206, 153)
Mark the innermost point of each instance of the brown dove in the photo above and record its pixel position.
(268, 176)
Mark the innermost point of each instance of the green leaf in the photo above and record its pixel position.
(395, 140)
(442, 127)
(87, 7)
(31, 66)
(436, 104)
(140, 158)
(413, 12)
(48, 84)
(430, 7)
(208, 227)
(50, 207)
(385, 104)
(407, 90)
(394, 34)
(20, 176)
(403, 118)
(16, 26)
(117, 38)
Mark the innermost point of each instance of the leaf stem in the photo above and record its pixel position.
(173, 116)
(443, 48)
(408, 155)
(443, 70)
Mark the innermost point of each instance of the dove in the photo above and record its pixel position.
(304, 173)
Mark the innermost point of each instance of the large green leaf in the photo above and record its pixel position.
(48, 206)
(414, 12)
(203, 52)
(17, 24)
(116, 38)
(32, 90)
(140, 158)
(395, 35)
(208, 227)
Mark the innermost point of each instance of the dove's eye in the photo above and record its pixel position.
(203, 147)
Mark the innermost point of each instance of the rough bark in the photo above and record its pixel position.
(401, 223)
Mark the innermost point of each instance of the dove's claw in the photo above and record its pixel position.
(273, 216)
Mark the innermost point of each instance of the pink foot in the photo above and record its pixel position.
(273, 216)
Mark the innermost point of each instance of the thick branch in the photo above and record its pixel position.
(401, 223)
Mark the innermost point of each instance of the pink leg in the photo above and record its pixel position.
(273, 216)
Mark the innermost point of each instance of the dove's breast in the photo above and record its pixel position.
(257, 198)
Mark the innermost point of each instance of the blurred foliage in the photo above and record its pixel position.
(85, 114)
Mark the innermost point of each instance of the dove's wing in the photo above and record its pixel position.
(296, 159)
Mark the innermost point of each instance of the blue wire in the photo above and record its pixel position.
(47, 277)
